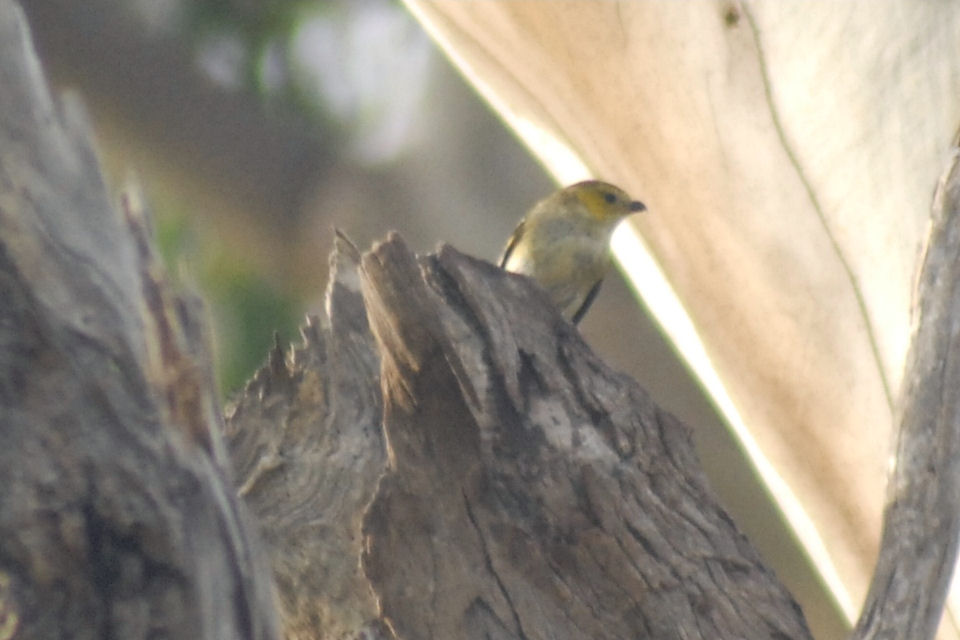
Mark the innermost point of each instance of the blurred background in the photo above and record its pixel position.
(255, 127)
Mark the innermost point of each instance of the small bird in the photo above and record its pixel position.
(564, 242)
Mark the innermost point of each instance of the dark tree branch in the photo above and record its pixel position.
(918, 549)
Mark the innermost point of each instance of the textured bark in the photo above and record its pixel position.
(921, 524)
(520, 488)
(307, 447)
(117, 515)
(527, 491)
(532, 492)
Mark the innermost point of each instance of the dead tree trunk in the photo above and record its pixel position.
(442, 456)
(117, 515)
(519, 489)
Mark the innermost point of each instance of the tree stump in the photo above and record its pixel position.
(520, 488)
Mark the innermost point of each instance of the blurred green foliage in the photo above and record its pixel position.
(264, 30)
(350, 73)
(246, 310)
(246, 307)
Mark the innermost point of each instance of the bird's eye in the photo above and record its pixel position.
(610, 198)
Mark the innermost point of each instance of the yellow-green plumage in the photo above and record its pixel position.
(564, 242)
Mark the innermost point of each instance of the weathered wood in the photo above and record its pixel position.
(117, 515)
(523, 490)
(532, 492)
(921, 524)
(307, 447)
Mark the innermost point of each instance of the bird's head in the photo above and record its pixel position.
(603, 201)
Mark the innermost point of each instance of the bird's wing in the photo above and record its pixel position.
(511, 244)
(587, 301)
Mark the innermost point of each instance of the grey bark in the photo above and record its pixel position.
(918, 549)
(441, 457)
(531, 491)
(117, 515)
(308, 451)
(515, 487)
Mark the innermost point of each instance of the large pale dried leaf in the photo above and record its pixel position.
(787, 152)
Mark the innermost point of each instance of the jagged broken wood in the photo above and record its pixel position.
(307, 447)
(527, 490)
(532, 492)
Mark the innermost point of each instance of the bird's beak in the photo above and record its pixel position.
(637, 206)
